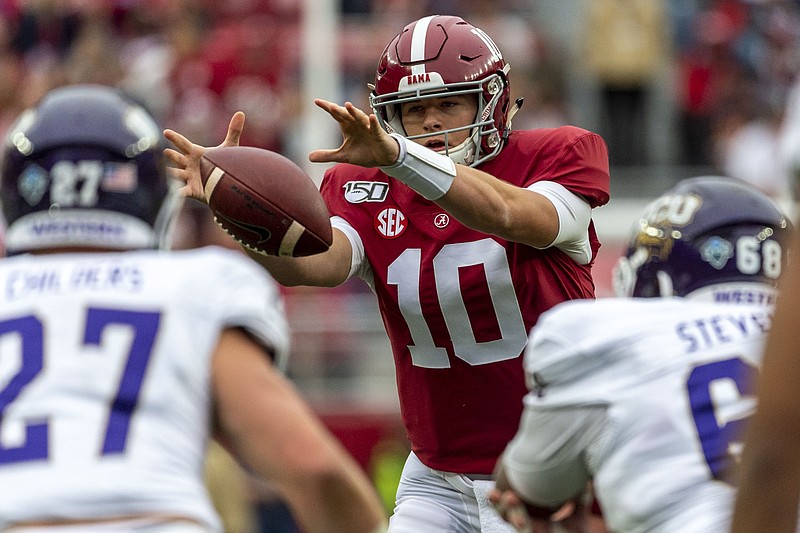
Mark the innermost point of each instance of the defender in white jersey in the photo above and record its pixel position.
(118, 361)
(646, 397)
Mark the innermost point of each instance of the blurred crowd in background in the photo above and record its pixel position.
(666, 82)
(675, 87)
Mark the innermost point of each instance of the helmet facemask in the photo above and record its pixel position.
(485, 139)
(438, 56)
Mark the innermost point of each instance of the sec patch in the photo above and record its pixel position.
(391, 222)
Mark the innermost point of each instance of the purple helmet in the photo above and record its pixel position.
(439, 55)
(85, 168)
(708, 230)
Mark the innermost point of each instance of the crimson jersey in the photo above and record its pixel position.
(457, 303)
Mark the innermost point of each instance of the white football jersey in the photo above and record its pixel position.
(646, 397)
(105, 378)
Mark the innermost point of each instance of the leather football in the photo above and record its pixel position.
(265, 201)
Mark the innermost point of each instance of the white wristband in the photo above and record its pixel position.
(422, 169)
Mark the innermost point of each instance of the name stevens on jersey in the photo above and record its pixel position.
(26, 283)
(705, 333)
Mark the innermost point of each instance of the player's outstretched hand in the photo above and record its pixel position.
(187, 157)
(527, 518)
(512, 509)
(365, 143)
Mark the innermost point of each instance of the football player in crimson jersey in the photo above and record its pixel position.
(466, 231)
(648, 398)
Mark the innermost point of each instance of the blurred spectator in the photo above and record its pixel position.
(146, 58)
(94, 54)
(735, 77)
(769, 46)
(46, 24)
(543, 85)
(681, 16)
(789, 140)
(537, 66)
(745, 141)
(11, 76)
(709, 72)
(196, 106)
(626, 48)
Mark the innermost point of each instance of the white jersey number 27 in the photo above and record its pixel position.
(30, 333)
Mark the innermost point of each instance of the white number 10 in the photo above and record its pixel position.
(404, 272)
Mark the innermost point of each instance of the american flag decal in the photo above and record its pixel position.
(119, 177)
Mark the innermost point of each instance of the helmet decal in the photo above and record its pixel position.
(496, 55)
(33, 183)
(716, 251)
(418, 42)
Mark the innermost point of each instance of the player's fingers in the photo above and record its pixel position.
(359, 116)
(511, 498)
(324, 156)
(374, 126)
(176, 173)
(181, 143)
(518, 518)
(235, 128)
(501, 509)
(505, 504)
(334, 108)
(563, 512)
(175, 157)
(336, 111)
(322, 104)
(354, 111)
(187, 191)
(180, 175)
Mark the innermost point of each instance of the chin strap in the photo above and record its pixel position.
(513, 111)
